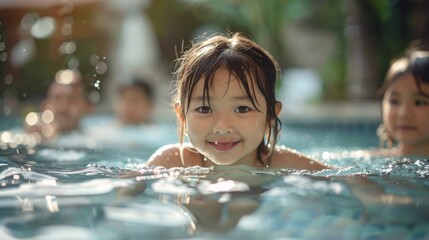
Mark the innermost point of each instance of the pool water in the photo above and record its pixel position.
(64, 192)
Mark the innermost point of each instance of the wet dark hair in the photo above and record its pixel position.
(415, 62)
(140, 83)
(249, 63)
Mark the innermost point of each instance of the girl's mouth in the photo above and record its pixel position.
(223, 146)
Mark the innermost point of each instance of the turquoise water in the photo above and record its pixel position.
(78, 192)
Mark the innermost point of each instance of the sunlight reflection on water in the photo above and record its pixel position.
(108, 193)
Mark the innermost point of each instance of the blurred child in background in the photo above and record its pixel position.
(136, 103)
(132, 125)
(405, 106)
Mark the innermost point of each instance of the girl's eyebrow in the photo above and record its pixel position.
(239, 97)
(394, 93)
(418, 94)
(421, 95)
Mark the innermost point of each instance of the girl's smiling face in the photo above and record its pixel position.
(406, 113)
(226, 128)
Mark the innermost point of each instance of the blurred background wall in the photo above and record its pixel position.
(330, 50)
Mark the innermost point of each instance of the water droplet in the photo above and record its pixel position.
(43, 27)
(94, 97)
(8, 79)
(3, 56)
(67, 29)
(32, 118)
(101, 68)
(47, 116)
(28, 20)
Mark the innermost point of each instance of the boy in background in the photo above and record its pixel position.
(135, 104)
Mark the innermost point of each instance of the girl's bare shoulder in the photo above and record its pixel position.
(166, 156)
(169, 156)
(284, 157)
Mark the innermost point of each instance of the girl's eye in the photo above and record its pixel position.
(421, 102)
(242, 109)
(204, 109)
(393, 101)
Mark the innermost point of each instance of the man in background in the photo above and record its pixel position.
(62, 109)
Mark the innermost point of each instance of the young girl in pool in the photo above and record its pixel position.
(226, 106)
(405, 106)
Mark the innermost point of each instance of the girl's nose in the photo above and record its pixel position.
(405, 111)
(222, 124)
(223, 131)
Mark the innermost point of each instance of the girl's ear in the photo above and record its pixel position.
(278, 108)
